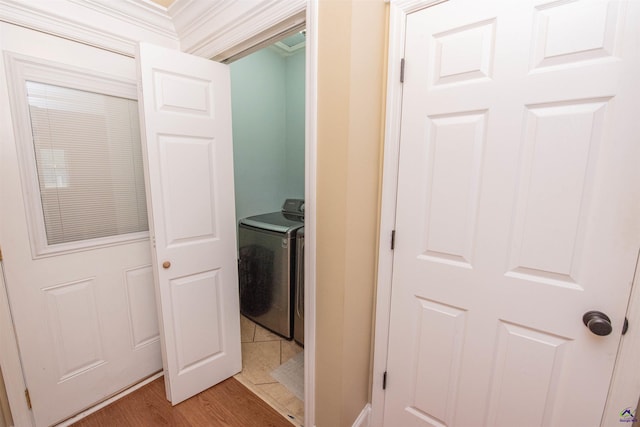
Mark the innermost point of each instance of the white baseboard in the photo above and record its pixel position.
(364, 419)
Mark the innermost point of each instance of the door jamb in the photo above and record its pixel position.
(310, 167)
(10, 361)
(397, 18)
(624, 390)
(629, 349)
(399, 9)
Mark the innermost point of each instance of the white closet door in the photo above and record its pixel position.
(517, 211)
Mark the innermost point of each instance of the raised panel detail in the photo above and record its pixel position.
(183, 94)
(454, 163)
(571, 31)
(464, 54)
(528, 365)
(556, 175)
(190, 194)
(197, 319)
(75, 327)
(440, 340)
(142, 306)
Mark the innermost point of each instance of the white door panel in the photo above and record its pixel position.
(187, 122)
(515, 212)
(85, 321)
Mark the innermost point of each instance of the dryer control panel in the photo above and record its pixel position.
(293, 207)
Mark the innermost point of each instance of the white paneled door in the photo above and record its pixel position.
(84, 317)
(517, 212)
(187, 121)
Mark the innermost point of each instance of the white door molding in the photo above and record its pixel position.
(397, 18)
(625, 387)
(310, 168)
(624, 391)
(9, 352)
(109, 25)
(10, 361)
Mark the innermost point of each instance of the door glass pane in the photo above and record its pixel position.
(89, 163)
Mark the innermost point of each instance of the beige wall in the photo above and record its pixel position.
(351, 58)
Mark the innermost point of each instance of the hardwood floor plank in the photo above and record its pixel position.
(228, 404)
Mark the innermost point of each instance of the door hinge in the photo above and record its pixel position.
(393, 239)
(402, 70)
(625, 326)
(28, 397)
(384, 380)
(0, 254)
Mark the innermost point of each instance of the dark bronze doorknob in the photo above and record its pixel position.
(597, 322)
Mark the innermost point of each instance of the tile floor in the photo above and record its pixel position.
(262, 352)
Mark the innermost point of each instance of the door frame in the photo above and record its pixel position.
(624, 390)
(85, 33)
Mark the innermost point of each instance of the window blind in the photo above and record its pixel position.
(89, 163)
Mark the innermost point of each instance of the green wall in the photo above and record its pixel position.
(267, 91)
(295, 114)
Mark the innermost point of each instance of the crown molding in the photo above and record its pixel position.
(142, 13)
(112, 25)
(190, 17)
(217, 29)
(223, 28)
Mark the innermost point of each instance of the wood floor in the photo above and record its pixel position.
(229, 404)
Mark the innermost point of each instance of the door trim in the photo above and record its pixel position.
(310, 167)
(10, 360)
(629, 347)
(397, 18)
(624, 390)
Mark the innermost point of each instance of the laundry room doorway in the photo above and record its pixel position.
(268, 113)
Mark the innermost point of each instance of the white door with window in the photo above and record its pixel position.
(74, 223)
(517, 217)
(75, 229)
